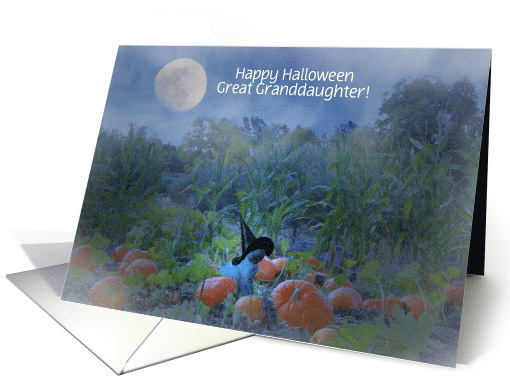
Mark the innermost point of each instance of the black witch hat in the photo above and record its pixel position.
(249, 244)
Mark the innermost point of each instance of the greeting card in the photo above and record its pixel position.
(323, 195)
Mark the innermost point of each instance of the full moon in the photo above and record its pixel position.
(180, 85)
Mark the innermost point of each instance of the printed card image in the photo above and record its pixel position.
(319, 195)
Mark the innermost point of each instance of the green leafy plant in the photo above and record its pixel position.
(358, 338)
(271, 198)
(404, 336)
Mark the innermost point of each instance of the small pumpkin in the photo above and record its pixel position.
(332, 284)
(119, 253)
(372, 304)
(82, 258)
(143, 266)
(268, 268)
(215, 290)
(314, 262)
(280, 263)
(252, 305)
(414, 304)
(131, 256)
(455, 293)
(302, 305)
(345, 298)
(109, 292)
(322, 336)
(389, 303)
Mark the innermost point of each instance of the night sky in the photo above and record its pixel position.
(132, 99)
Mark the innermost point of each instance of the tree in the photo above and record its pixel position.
(302, 135)
(429, 110)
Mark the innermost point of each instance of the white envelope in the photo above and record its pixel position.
(124, 341)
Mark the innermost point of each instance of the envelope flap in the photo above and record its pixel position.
(113, 336)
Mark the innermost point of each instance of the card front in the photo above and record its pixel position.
(321, 195)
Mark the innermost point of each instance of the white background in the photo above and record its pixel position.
(57, 60)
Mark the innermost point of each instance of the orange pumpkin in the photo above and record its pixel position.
(317, 278)
(82, 258)
(314, 262)
(131, 256)
(389, 303)
(212, 268)
(119, 253)
(345, 298)
(269, 270)
(301, 304)
(455, 293)
(331, 284)
(252, 305)
(280, 263)
(322, 336)
(415, 305)
(143, 266)
(215, 290)
(109, 292)
(372, 304)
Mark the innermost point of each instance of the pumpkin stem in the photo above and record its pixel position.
(295, 296)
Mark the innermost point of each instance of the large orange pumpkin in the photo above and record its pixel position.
(415, 305)
(322, 336)
(215, 290)
(143, 266)
(269, 269)
(119, 253)
(301, 304)
(345, 298)
(109, 292)
(131, 256)
(252, 305)
(82, 258)
(455, 293)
